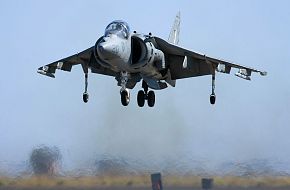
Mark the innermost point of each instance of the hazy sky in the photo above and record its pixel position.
(250, 119)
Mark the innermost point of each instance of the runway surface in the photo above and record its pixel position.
(144, 188)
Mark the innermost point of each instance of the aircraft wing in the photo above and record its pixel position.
(83, 58)
(184, 63)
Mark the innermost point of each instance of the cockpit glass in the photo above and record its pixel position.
(119, 28)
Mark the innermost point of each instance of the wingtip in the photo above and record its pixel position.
(42, 72)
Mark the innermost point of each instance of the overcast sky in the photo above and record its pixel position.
(249, 121)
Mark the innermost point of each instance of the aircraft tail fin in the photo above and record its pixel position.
(174, 39)
(174, 34)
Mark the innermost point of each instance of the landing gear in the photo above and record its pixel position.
(86, 94)
(125, 97)
(141, 98)
(212, 96)
(125, 93)
(145, 95)
(85, 97)
(212, 99)
(151, 99)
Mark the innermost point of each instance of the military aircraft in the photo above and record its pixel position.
(134, 57)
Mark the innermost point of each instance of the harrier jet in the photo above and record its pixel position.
(132, 57)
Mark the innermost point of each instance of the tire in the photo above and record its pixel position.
(86, 97)
(125, 99)
(212, 99)
(151, 98)
(141, 98)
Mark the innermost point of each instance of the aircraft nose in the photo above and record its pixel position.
(107, 50)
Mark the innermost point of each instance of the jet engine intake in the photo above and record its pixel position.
(96, 53)
(144, 53)
(139, 51)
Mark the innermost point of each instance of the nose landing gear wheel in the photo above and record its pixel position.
(141, 98)
(85, 97)
(212, 99)
(125, 98)
(151, 98)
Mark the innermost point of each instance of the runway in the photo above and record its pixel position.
(142, 188)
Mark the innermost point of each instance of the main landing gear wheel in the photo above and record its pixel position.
(145, 95)
(141, 98)
(125, 98)
(212, 99)
(85, 97)
(151, 98)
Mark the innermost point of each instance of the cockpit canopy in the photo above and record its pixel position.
(119, 28)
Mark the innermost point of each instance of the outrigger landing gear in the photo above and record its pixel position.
(145, 95)
(212, 96)
(125, 93)
(86, 94)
